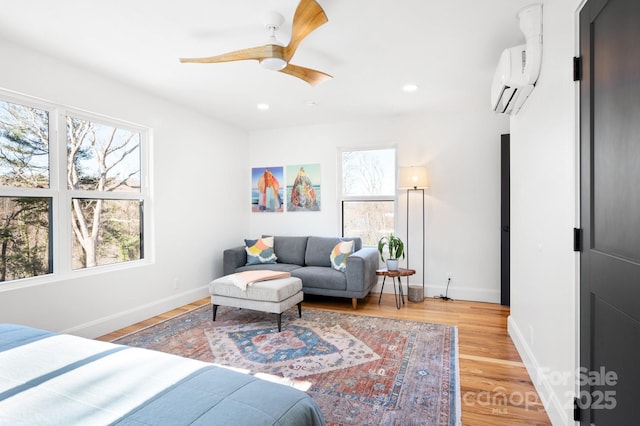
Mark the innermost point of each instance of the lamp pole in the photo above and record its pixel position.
(416, 297)
(414, 178)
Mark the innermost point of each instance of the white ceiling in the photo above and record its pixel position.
(450, 48)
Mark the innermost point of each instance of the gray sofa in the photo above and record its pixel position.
(308, 259)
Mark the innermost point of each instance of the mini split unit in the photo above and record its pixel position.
(519, 66)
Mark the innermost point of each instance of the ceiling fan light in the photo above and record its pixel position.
(274, 64)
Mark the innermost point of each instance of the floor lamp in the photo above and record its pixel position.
(415, 179)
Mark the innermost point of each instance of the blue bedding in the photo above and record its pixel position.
(50, 378)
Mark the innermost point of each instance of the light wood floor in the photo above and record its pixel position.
(495, 387)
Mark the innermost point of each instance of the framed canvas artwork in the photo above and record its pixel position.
(303, 187)
(267, 191)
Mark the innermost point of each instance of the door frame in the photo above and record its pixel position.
(505, 218)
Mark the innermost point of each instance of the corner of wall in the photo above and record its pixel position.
(549, 398)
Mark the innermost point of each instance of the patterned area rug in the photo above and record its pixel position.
(361, 370)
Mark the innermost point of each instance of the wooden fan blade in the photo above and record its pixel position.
(312, 77)
(258, 53)
(308, 16)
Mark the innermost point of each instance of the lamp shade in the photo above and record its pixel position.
(413, 177)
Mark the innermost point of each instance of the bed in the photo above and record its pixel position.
(51, 378)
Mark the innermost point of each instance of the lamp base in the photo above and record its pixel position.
(416, 293)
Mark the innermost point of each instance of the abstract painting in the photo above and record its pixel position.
(303, 187)
(267, 191)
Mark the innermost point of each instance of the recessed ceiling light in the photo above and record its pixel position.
(411, 87)
(262, 106)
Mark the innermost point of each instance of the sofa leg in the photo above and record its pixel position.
(279, 322)
(215, 310)
(354, 303)
(300, 310)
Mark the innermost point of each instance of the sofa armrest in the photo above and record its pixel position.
(233, 258)
(361, 270)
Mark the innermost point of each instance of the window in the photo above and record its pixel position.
(368, 193)
(103, 169)
(72, 199)
(25, 232)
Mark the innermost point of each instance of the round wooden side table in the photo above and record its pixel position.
(399, 273)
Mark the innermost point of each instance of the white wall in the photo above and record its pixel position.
(194, 191)
(544, 283)
(462, 203)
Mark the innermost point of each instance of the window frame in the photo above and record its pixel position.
(61, 238)
(342, 198)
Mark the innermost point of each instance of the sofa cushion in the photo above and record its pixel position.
(260, 251)
(319, 250)
(271, 291)
(321, 277)
(290, 249)
(339, 255)
(283, 267)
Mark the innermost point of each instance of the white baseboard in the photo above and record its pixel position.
(549, 398)
(105, 325)
(473, 294)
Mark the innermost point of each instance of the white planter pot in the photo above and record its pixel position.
(392, 264)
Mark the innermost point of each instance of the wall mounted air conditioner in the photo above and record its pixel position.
(519, 66)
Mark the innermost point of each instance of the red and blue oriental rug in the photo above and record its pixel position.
(361, 370)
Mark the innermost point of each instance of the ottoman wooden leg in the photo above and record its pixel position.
(215, 310)
(279, 322)
(300, 310)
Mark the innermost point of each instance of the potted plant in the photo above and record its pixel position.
(396, 250)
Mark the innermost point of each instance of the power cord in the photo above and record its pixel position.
(446, 293)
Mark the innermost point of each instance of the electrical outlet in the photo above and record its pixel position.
(176, 283)
(449, 275)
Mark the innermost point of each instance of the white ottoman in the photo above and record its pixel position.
(275, 296)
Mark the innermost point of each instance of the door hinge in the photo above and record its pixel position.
(576, 410)
(577, 68)
(577, 239)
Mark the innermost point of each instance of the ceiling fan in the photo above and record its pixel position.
(275, 56)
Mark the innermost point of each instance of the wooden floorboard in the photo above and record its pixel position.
(495, 387)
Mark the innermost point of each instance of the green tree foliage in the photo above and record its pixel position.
(24, 237)
(24, 163)
(24, 146)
